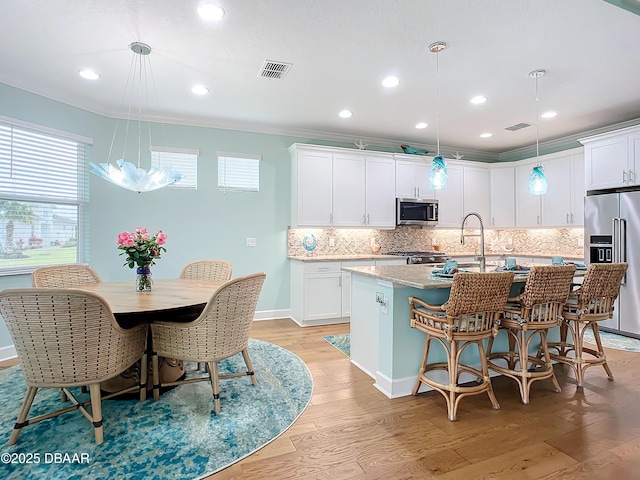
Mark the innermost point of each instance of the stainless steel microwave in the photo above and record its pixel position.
(410, 211)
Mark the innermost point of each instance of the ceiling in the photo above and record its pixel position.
(340, 52)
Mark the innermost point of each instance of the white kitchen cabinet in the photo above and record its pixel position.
(450, 199)
(349, 208)
(321, 291)
(612, 159)
(412, 178)
(502, 197)
(476, 188)
(528, 207)
(311, 187)
(380, 195)
(337, 187)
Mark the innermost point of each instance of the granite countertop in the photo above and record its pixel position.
(338, 258)
(418, 276)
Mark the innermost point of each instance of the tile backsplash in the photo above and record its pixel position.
(567, 242)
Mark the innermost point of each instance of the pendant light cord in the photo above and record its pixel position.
(537, 124)
(438, 102)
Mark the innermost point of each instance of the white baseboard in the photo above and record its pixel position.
(7, 353)
(272, 314)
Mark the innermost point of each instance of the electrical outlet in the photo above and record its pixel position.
(332, 241)
(434, 241)
(379, 297)
(372, 241)
(251, 242)
(580, 242)
(380, 300)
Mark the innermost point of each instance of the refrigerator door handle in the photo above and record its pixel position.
(615, 230)
(622, 245)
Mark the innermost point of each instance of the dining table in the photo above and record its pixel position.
(174, 299)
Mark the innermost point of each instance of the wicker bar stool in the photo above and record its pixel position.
(207, 270)
(64, 276)
(591, 302)
(466, 318)
(221, 330)
(529, 316)
(69, 338)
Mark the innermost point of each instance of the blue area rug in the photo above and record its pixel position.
(341, 342)
(612, 340)
(177, 437)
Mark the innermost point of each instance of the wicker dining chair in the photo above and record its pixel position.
(221, 330)
(590, 303)
(69, 338)
(527, 317)
(64, 276)
(467, 318)
(207, 270)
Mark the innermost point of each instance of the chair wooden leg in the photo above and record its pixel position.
(485, 371)
(215, 385)
(452, 401)
(143, 377)
(547, 359)
(96, 411)
(596, 336)
(523, 353)
(22, 416)
(63, 396)
(425, 355)
(250, 372)
(156, 376)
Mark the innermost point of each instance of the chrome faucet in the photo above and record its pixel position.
(482, 258)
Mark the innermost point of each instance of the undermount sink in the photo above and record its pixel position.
(468, 264)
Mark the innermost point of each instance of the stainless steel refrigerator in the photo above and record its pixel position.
(612, 234)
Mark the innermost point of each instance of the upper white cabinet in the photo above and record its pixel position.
(450, 199)
(528, 207)
(502, 197)
(380, 192)
(612, 159)
(311, 187)
(335, 187)
(412, 177)
(476, 188)
(563, 204)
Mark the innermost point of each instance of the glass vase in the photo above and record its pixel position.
(143, 279)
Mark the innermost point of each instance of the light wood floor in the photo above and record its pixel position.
(352, 431)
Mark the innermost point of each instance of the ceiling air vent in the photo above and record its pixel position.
(271, 69)
(518, 126)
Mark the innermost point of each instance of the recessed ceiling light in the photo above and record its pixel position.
(390, 82)
(199, 90)
(486, 135)
(345, 114)
(210, 11)
(88, 74)
(477, 100)
(549, 114)
(421, 125)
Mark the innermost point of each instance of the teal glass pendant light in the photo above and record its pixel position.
(438, 172)
(537, 180)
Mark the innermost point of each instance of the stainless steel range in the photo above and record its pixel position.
(422, 257)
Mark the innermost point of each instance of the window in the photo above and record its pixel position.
(43, 197)
(181, 159)
(239, 172)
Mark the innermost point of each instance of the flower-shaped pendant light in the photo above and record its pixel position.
(127, 174)
(537, 180)
(438, 172)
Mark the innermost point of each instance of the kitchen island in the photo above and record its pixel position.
(383, 344)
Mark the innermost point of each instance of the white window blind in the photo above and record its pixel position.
(239, 172)
(183, 160)
(43, 198)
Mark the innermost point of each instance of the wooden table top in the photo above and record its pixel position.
(166, 294)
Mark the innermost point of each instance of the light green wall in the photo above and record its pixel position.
(199, 224)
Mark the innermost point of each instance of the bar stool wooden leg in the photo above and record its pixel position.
(423, 365)
(596, 336)
(485, 372)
